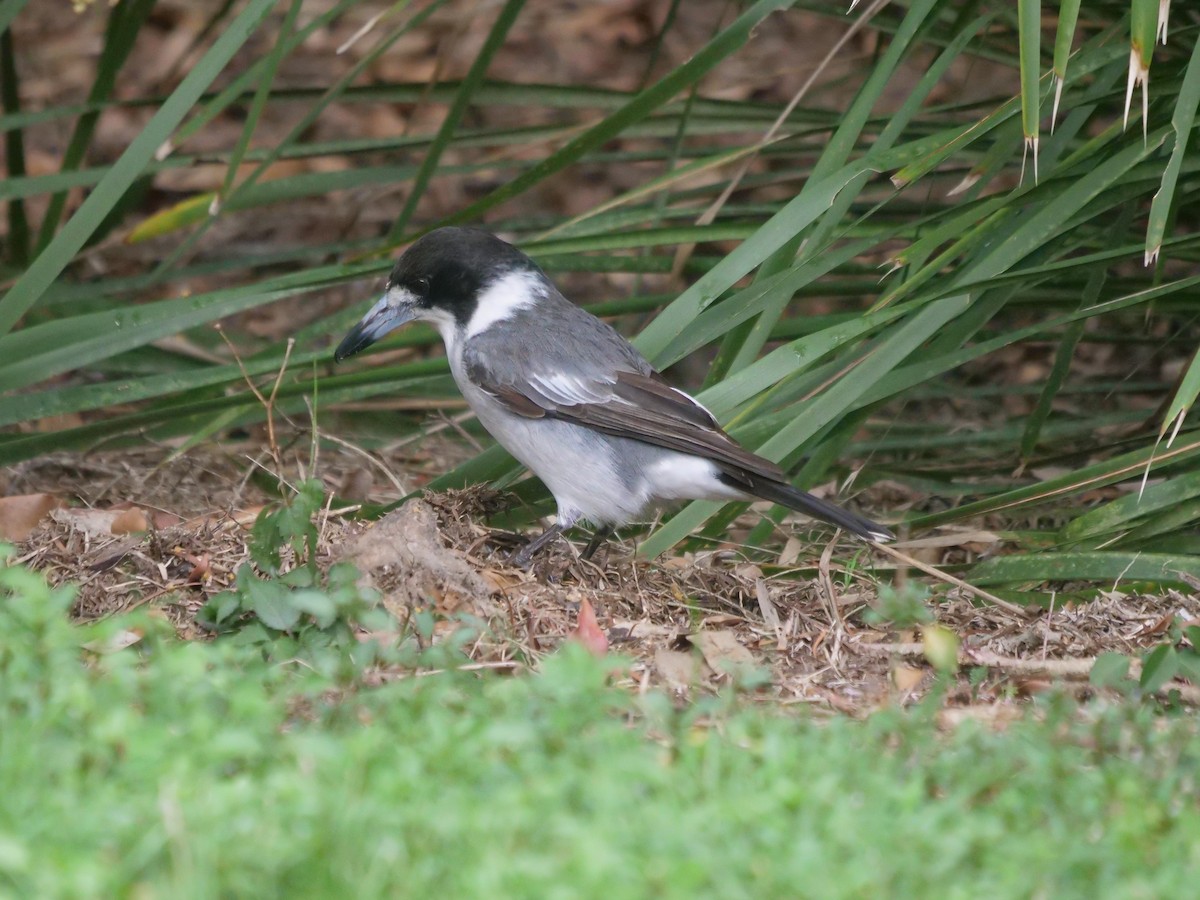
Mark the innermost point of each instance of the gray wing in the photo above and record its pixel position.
(595, 378)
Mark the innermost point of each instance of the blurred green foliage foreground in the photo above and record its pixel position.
(169, 769)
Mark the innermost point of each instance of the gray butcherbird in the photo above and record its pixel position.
(568, 396)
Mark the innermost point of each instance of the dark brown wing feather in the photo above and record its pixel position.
(643, 408)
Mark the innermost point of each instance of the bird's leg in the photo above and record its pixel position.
(522, 559)
(602, 534)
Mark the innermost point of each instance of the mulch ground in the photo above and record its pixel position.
(689, 623)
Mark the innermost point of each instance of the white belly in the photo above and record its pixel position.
(575, 464)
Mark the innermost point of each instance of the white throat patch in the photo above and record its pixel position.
(512, 292)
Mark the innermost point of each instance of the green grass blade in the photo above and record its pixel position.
(462, 99)
(125, 20)
(45, 350)
(1124, 512)
(9, 9)
(1143, 27)
(1182, 123)
(655, 186)
(1184, 397)
(270, 68)
(839, 149)
(634, 110)
(1094, 56)
(311, 115)
(1119, 468)
(62, 249)
(789, 360)
(16, 244)
(1029, 19)
(798, 213)
(720, 318)
(237, 90)
(1064, 36)
(1039, 227)
(892, 350)
(836, 401)
(1112, 568)
(1062, 365)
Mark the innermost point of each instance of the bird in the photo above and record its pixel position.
(568, 396)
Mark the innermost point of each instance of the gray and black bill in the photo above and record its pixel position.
(395, 308)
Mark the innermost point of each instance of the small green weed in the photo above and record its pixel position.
(285, 603)
(902, 607)
(1176, 656)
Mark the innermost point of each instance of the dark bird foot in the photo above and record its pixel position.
(602, 534)
(522, 558)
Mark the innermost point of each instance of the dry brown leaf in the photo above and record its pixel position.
(722, 651)
(54, 423)
(748, 572)
(20, 515)
(125, 638)
(906, 678)
(357, 484)
(769, 613)
(644, 628)
(243, 517)
(995, 715)
(498, 580)
(953, 539)
(163, 519)
(404, 556)
(449, 601)
(790, 552)
(718, 619)
(1028, 687)
(201, 571)
(677, 669)
(94, 523)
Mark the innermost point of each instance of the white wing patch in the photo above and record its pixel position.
(506, 296)
(567, 390)
(695, 402)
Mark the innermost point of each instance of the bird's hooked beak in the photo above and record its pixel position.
(395, 308)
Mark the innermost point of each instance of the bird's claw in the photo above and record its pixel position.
(522, 559)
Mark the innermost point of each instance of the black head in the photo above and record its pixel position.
(439, 279)
(449, 267)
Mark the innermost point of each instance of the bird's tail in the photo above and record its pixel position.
(783, 493)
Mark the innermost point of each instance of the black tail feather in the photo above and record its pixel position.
(802, 501)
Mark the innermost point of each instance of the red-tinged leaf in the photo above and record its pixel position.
(588, 631)
(130, 521)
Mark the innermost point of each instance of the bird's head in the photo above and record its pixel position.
(453, 278)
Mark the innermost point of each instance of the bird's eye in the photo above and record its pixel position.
(421, 283)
